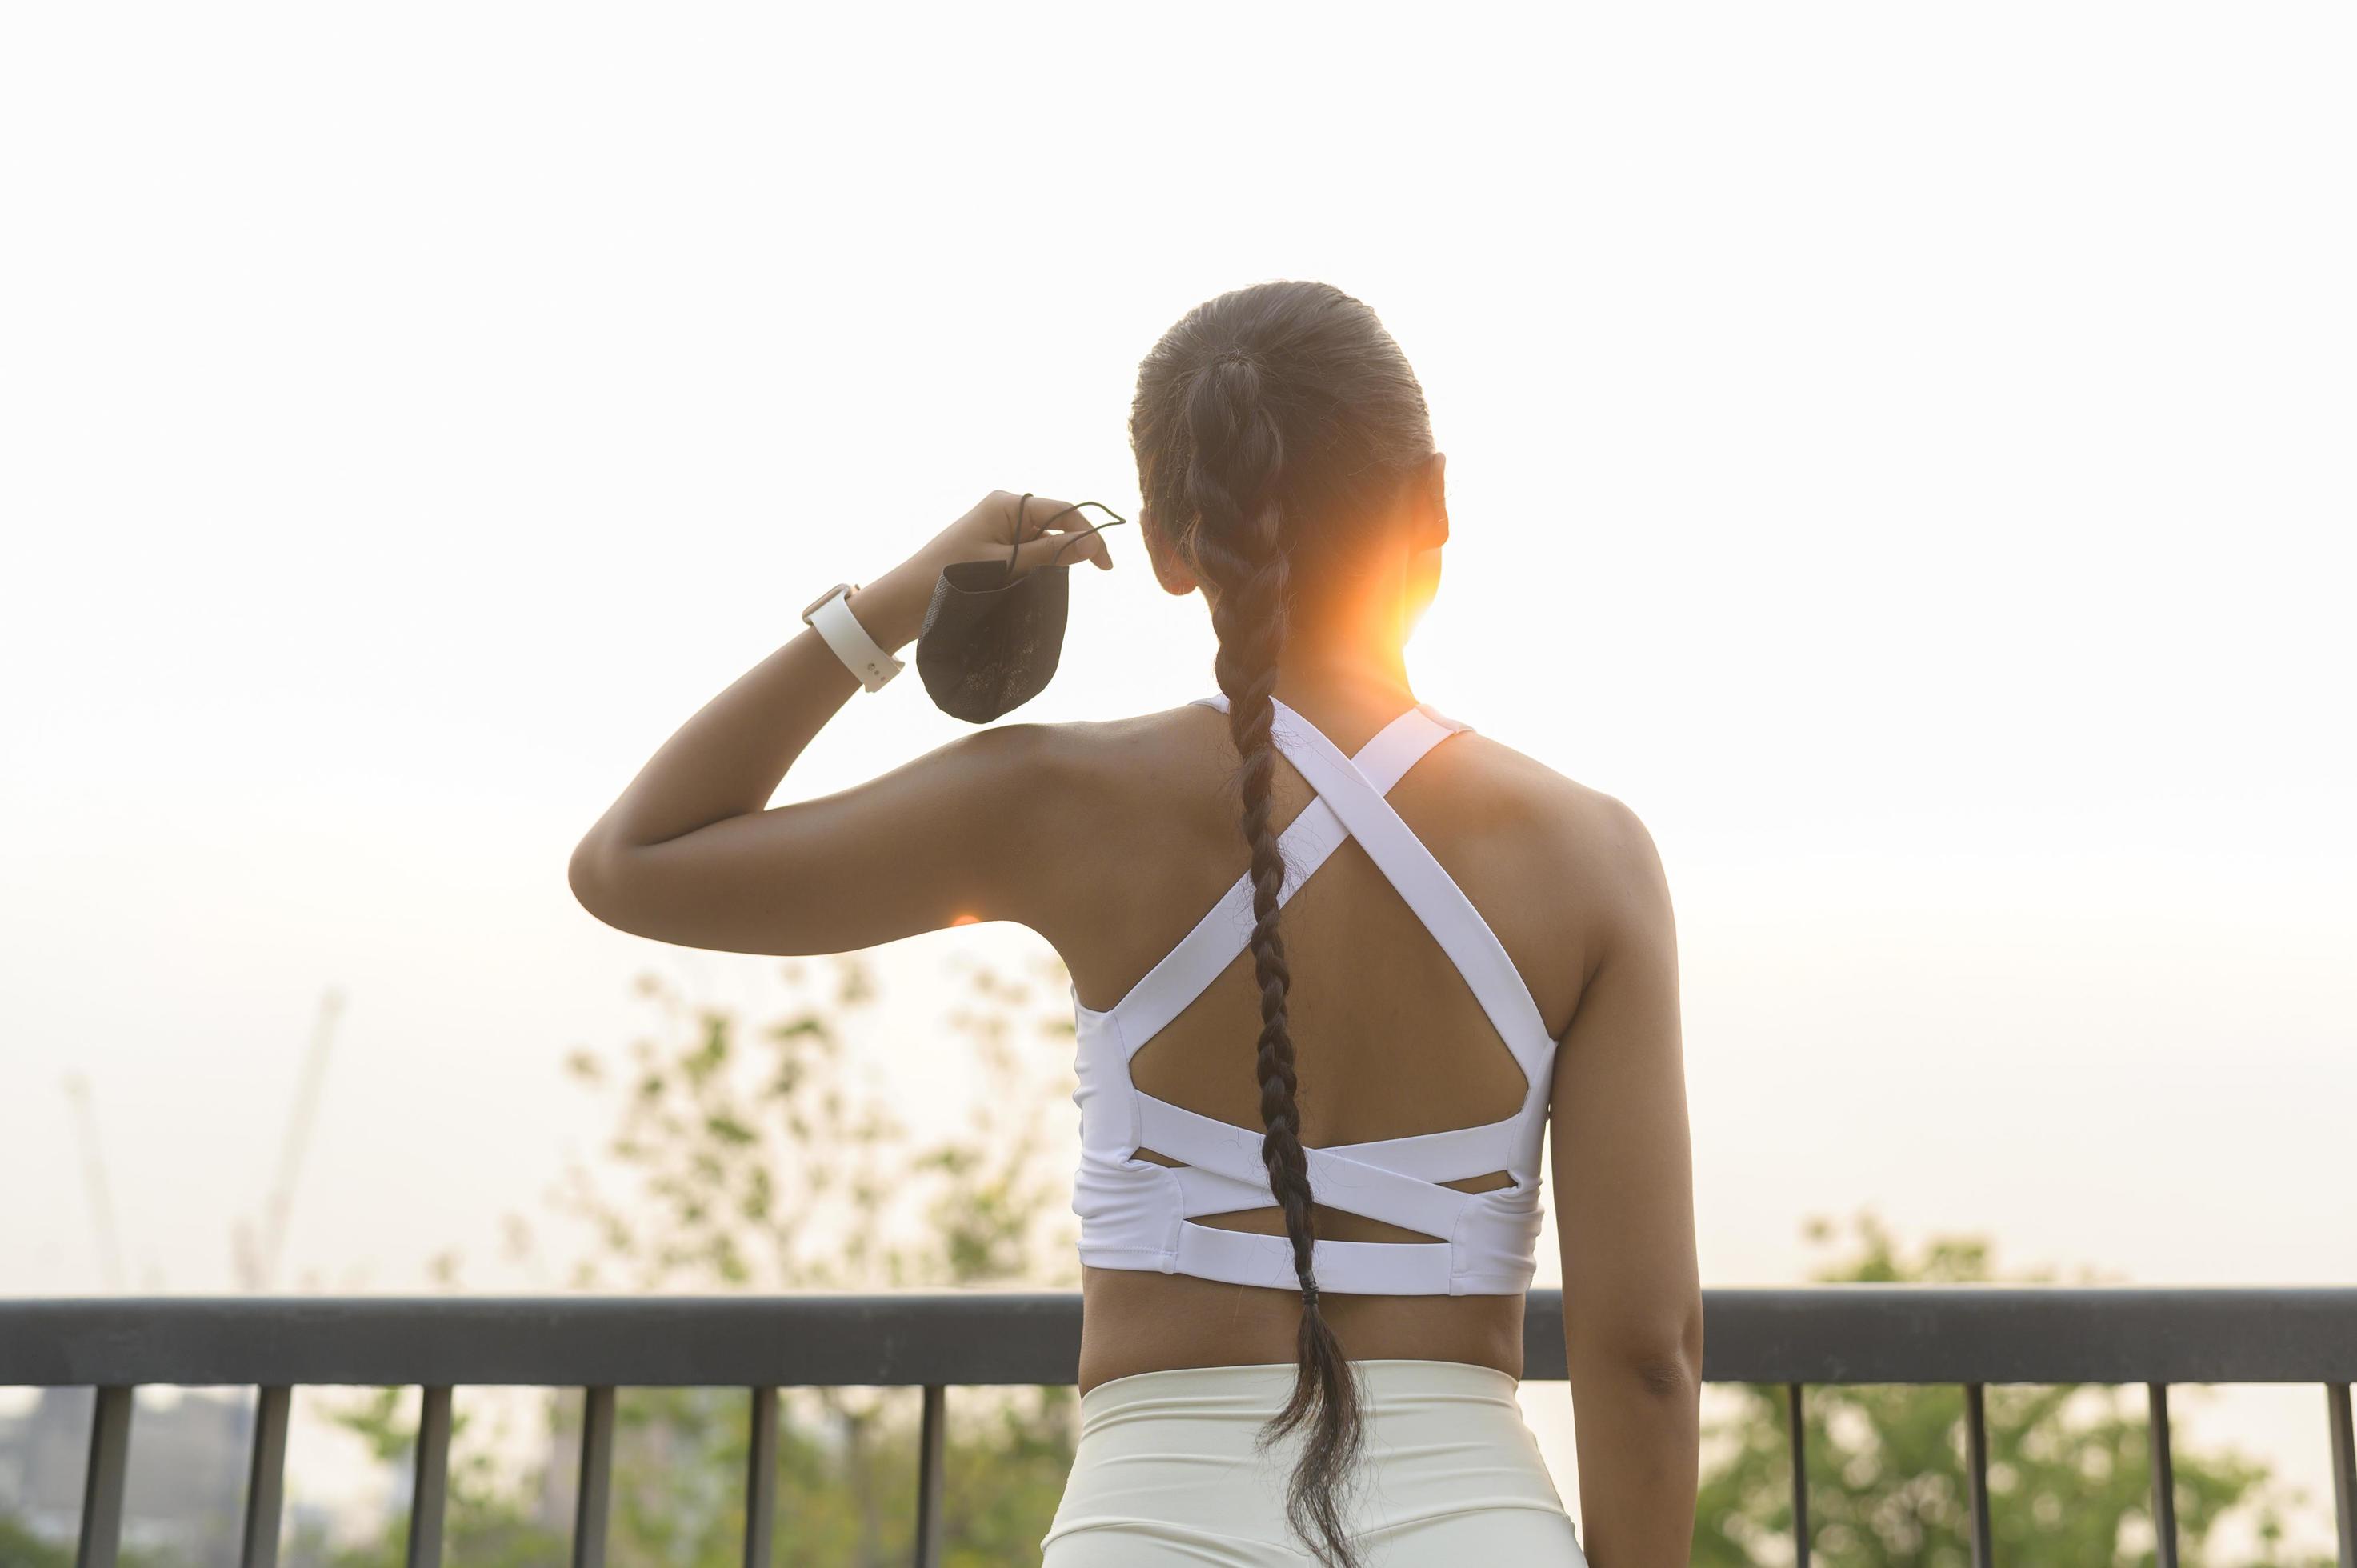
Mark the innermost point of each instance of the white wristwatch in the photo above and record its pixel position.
(830, 616)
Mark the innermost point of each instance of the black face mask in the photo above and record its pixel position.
(992, 639)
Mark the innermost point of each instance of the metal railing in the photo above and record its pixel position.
(1967, 1336)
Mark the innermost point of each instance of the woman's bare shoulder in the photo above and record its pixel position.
(1137, 749)
(1085, 781)
(1573, 824)
(1573, 871)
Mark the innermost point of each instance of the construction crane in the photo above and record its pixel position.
(258, 1253)
(93, 1178)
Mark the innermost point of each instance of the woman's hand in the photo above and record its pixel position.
(1037, 530)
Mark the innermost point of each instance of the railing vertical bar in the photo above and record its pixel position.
(930, 1443)
(1800, 1476)
(429, 1493)
(761, 1479)
(265, 1482)
(2344, 1470)
(1976, 1468)
(595, 1497)
(2164, 1479)
(102, 1490)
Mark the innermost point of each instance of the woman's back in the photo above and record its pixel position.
(1391, 1042)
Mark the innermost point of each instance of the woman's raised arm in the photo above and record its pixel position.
(693, 852)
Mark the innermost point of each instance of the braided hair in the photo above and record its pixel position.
(1267, 423)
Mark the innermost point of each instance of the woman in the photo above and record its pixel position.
(1312, 1120)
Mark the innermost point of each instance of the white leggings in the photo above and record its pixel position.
(1166, 1473)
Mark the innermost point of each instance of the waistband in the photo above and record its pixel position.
(1262, 1388)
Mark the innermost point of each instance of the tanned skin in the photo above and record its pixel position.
(1110, 839)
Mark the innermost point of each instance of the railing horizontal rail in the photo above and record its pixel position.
(1817, 1334)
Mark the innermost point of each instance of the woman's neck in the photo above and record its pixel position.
(1349, 656)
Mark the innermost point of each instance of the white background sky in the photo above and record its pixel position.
(1905, 455)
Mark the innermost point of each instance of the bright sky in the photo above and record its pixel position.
(1906, 455)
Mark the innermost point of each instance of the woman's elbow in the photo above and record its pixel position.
(596, 880)
(1662, 1355)
(1672, 1376)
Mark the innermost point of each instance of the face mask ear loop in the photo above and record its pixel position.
(1022, 520)
(1094, 527)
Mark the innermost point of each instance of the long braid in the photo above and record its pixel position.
(1240, 540)
(1270, 424)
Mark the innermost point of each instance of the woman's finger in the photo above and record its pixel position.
(1035, 514)
(1069, 541)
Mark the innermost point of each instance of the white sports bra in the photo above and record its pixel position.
(1135, 1214)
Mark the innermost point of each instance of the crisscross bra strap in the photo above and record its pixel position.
(1426, 885)
(1225, 1171)
(1226, 928)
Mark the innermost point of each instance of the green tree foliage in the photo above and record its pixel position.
(2068, 1471)
(20, 1548)
(753, 1159)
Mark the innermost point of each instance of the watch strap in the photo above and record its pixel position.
(832, 618)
